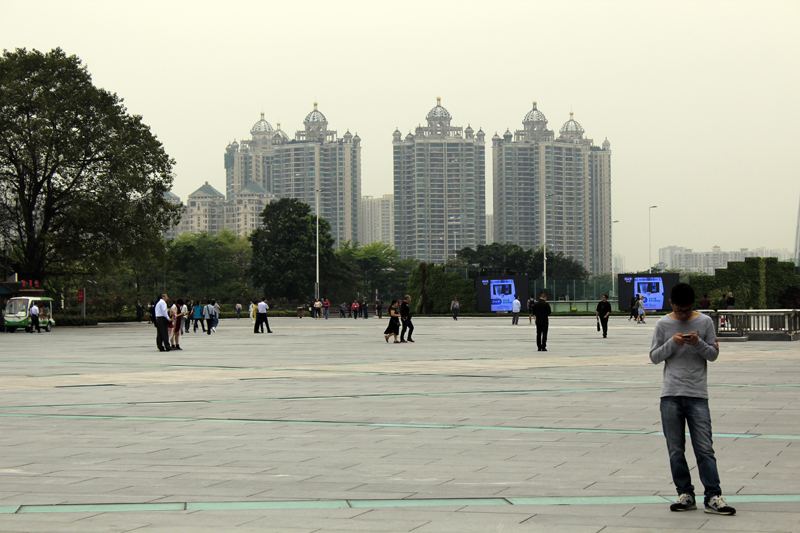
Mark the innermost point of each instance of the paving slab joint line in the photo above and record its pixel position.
(376, 503)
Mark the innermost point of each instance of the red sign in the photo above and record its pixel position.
(80, 295)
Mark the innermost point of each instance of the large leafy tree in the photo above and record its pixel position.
(284, 249)
(81, 180)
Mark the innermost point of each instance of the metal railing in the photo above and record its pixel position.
(757, 324)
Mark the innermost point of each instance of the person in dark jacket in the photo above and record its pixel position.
(405, 318)
(603, 312)
(541, 311)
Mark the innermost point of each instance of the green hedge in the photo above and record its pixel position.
(440, 288)
(756, 283)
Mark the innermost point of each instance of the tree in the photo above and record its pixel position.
(559, 266)
(284, 250)
(495, 256)
(81, 180)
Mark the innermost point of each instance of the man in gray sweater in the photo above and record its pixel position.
(685, 341)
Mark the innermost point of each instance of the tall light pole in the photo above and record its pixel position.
(650, 241)
(546, 196)
(613, 276)
(316, 285)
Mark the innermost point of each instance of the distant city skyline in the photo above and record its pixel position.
(702, 125)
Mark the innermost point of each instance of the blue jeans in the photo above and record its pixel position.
(676, 413)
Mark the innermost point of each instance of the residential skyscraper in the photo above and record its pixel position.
(553, 188)
(377, 220)
(439, 188)
(316, 159)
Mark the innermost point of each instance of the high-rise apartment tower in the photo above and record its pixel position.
(553, 188)
(439, 188)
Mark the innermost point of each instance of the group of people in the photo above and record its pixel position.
(358, 309)
(399, 313)
(638, 312)
(171, 321)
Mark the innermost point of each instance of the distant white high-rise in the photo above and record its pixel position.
(489, 229)
(619, 264)
(377, 220)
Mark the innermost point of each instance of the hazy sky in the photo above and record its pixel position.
(700, 99)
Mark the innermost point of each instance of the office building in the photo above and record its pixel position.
(553, 189)
(439, 188)
(377, 220)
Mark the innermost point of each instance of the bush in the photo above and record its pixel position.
(440, 287)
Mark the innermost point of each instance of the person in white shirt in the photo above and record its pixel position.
(515, 308)
(34, 313)
(261, 317)
(162, 323)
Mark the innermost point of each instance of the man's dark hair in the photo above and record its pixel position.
(682, 294)
(543, 294)
(606, 295)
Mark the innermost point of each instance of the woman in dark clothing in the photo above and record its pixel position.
(393, 328)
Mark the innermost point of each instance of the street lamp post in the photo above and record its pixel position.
(316, 285)
(613, 280)
(546, 196)
(650, 241)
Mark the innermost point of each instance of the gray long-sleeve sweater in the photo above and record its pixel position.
(685, 367)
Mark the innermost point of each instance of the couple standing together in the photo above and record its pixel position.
(399, 311)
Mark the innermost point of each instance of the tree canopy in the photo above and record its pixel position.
(81, 180)
(284, 250)
(515, 258)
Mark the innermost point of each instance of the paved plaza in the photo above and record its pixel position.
(322, 426)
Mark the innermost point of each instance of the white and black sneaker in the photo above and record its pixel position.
(718, 505)
(685, 503)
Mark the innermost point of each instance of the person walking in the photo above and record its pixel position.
(454, 307)
(354, 307)
(162, 323)
(188, 308)
(151, 313)
(602, 313)
(261, 317)
(633, 308)
(208, 315)
(177, 325)
(531, 303)
(33, 312)
(685, 342)
(139, 311)
(238, 308)
(393, 327)
(730, 301)
(379, 308)
(640, 311)
(317, 309)
(541, 311)
(405, 318)
(342, 310)
(364, 308)
(326, 305)
(217, 311)
(516, 307)
(197, 315)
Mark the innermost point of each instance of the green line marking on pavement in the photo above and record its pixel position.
(436, 502)
(229, 506)
(588, 500)
(102, 508)
(377, 503)
(386, 425)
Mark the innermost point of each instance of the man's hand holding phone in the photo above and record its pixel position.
(686, 338)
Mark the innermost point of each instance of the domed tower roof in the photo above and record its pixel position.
(261, 127)
(495, 137)
(348, 136)
(315, 116)
(409, 137)
(572, 126)
(397, 135)
(606, 144)
(534, 116)
(235, 145)
(356, 138)
(438, 112)
(280, 133)
(507, 135)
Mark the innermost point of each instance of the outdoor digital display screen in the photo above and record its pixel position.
(653, 288)
(496, 294)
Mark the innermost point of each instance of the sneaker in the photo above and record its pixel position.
(718, 505)
(685, 503)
